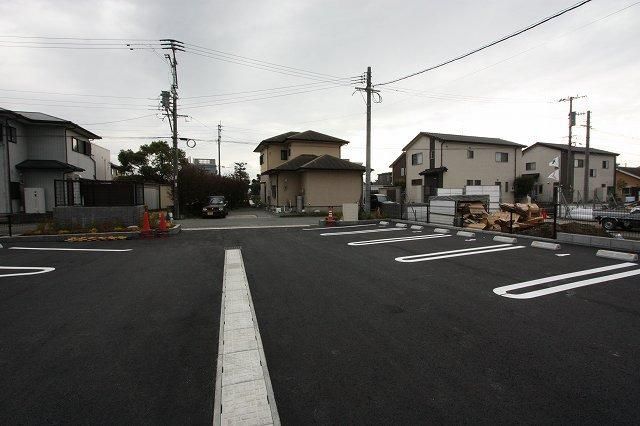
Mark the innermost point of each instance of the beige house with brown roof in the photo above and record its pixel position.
(440, 160)
(305, 169)
(536, 161)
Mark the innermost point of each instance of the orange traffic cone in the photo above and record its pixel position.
(330, 220)
(162, 224)
(145, 232)
(543, 213)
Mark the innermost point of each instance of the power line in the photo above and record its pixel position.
(75, 94)
(493, 43)
(119, 121)
(239, 57)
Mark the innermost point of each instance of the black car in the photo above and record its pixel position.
(378, 201)
(216, 207)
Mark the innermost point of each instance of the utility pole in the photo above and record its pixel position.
(367, 185)
(568, 181)
(174, 45)
(219, 135)
(586, 159)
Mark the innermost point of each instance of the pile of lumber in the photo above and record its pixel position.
(96, 238)
(511, 216)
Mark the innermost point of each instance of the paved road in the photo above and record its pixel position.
(351, 335)
(248, 217)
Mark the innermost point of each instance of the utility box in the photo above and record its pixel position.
(34, 201)
(350, 212)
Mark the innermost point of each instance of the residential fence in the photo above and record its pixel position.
(98, 193)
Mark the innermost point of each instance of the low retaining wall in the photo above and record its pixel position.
(87, 216)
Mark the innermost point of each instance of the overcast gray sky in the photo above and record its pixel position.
(508, 91)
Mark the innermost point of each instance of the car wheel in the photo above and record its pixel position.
(627, 224)
(609, 224)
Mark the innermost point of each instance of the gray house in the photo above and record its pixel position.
(35, 150)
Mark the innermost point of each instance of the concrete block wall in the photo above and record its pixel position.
(87, 216)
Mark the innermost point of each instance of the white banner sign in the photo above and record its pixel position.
(555, 163)
(555, 175)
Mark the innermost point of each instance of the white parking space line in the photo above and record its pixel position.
(220, 228)
(340, 227)
(504, 290)
(34, 270)
(397, 239)
(365, 231)
(243, 391)
(456, 253)
(563, 254)
(65, 249)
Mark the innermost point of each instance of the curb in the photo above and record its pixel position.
(441, 230)
(63, 237)
(465, 234)
(617, 255)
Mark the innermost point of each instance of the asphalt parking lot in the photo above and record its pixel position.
(383, 326)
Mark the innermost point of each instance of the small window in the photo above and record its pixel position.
(416, 182)
(432, 155)
(261, 158)
(506, 187)
(477, 182)
(283, 154)
(579, 164)
(74, 145)
(87, 148)
(605, 164)
(604, 185)
(401, 171)
(12, 135)
(470, 154)
(469, 182)
(540, 189)
(273, 191)
(416, 159)
(502, 157)
(592, 173)
(530, 166)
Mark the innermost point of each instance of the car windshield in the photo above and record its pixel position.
(216, 200)
(382, 198)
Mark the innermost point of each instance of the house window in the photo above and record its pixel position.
(11, 134)
(401, 171)
(416, 159)
(605, 164)
(506, 187)
(502, 157)
(578, 164)
(470, 154)
(87, 147)
(477, 182)
(469, 182)
(416, 182)
(432, 155)
(261, 158)
(74, 145)
(540, 189)
(273, 191)
(592, 173)
(530, 166)
(283, 154)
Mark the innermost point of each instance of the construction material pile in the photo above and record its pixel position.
(511, 216)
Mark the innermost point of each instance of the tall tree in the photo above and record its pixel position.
(152, 162)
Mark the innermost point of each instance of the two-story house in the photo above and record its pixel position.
(547, 162)
(36, 149)
(628, 183)
(304, 169)
(439, 160)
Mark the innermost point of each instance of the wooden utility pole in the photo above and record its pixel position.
(586, 159)
(569, 178)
